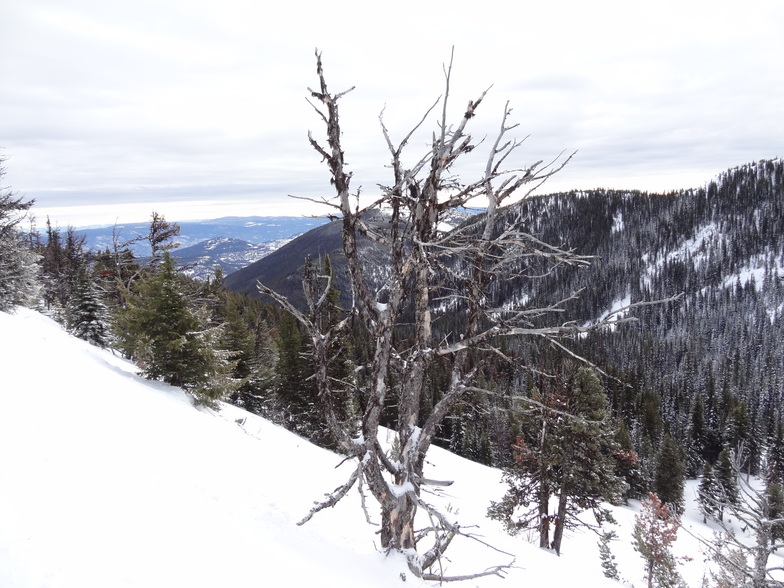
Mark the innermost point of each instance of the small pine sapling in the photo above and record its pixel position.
(655, 529)
(609, 566)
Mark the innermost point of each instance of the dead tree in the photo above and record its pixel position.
(459, 268)
(744, 558)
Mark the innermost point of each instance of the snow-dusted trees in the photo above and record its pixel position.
(18, 264)
(708, 493)
(62, 257)
(568, 456)
(428, 273)
(87, 316)
(670, 474)
(18, 271)
(172, 340)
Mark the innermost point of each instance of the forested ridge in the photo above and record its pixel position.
(712, 362)
(706, 369)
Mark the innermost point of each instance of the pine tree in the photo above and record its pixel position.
(295, 391)
(61, 260)
(87, 316)
(570, 454)
(609, 566)
(170, 340)
(655, 529)
(775, 457)
(245, 333)
(726, 480)
(697, 438)
(670, 475)
(775, 498)
(18, 264)
(708, 493)
(628, 463)
(19, 272)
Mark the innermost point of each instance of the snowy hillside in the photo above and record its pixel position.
(107, 479)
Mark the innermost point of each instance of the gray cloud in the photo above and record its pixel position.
(108, 108)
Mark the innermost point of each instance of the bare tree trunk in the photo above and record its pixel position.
(544, 520)
(560, 521)
(397, 524)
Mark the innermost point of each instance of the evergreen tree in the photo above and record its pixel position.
(295, 391)
(697, 438)
(61, 260)
(246, 334)
(18, 264)
(726, 480)
(775, 498)
(708, 493)
(628, 463)
(655, 529)
(19, 272)
(53, 269)
(170, 340)
(87, 316)
(670, 475)
(571, 455)
(775, 456)
(609, 566)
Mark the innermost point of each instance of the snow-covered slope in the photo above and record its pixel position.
(109, 480)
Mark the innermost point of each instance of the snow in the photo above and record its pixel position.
(110, 480)
(753, 272)
(615, 313)
(697, 244)
(618, 224)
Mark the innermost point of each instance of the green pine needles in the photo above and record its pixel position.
(171, 340)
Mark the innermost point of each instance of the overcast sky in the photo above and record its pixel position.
(111, 109)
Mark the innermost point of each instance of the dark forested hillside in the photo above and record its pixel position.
(720, 350)
(707, 369)
(282, 269)
(712, 362)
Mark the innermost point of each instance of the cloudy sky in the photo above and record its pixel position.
(110, 110)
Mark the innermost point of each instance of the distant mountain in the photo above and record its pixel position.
(226, 253)
(253, 229)
(282, 270)
(229, 243)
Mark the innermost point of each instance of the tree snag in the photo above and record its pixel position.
(430, 273)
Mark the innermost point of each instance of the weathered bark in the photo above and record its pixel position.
(544, 520)
(397, 523)
(560, 521)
